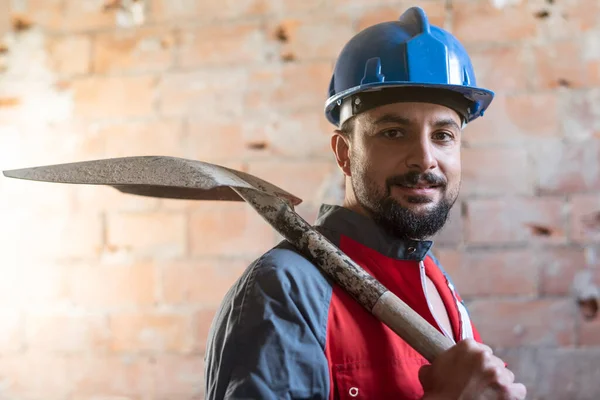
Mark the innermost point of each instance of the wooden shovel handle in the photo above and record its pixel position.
(410, 326)
(363, 287)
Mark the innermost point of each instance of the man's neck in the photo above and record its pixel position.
(351, 203)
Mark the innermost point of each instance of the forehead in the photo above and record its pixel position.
(414, 114)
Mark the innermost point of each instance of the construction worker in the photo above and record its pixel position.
(400, 96)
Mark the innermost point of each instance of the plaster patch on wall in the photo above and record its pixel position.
(586, 293)
(28, 78)
(505, 3)
(130, 13)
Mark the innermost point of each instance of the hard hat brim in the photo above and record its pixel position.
(481, 98)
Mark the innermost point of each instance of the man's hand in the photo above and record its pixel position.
(469, 371)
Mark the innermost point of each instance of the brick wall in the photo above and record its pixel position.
(106, 296)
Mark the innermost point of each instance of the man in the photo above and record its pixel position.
(400, 95)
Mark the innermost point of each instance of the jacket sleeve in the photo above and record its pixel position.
(268, 339)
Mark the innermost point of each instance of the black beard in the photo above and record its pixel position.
(397, 220)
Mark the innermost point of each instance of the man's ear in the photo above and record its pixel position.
(340, 145)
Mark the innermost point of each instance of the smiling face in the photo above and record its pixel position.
(402, 163)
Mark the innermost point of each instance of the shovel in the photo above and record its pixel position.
(178, 178)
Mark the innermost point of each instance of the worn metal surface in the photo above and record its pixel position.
(156, 176)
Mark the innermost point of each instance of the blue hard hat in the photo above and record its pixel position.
(415, 59)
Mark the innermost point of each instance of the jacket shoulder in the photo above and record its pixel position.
(279, 306)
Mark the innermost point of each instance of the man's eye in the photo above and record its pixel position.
(393, 133)
(443, 136)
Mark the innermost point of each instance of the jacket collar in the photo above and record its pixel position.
(364, 230)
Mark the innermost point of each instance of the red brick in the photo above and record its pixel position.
(523, 362)
(156, 332)
(67, 333)
(70, 55)
(93, 198)
(311, 38)
(35, 376)
(19, 292)
(199, 282)
(216, 228)
(516, 117)
(554, 374)
(296, 7)
(291, 87)
(589, 332)
(156, 137)
(593, 72)
(12, 327)
(568, 167)
(140, 49)
(114, 377)
(87, 15)
(581, 114)
(585, 227)
(222, 44)
(568, 19)
(453, 231)
(558, 268)
(74, 134)
(114, 287)
(164, 10)
(436, 13)
(472, 21)
(516, 220)
(304, 179)
(47, 14)
(56, 236)
(303, 85)
(568, 374)
(5, 9)
(514, 323)
(179, 377)
(216, 141)
(491, 272)
(300, 134)
(168, 10)
(157, 234)
(209, 94)
(20, 197)
(494, 171)
(591, 58)
(202, 322)
(559, 64)
(501, 69)
(114, 97)
(360, 5)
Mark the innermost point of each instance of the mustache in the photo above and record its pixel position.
(412, 178)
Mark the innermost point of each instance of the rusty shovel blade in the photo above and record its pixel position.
(156, 176)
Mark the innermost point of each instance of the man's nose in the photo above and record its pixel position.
(421, 156)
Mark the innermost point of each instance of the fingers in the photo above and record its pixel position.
(471, 369)
(492, 369)
(486, 349)
(507, 377)
(519, 391)
(425, 376)
(470, 345)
